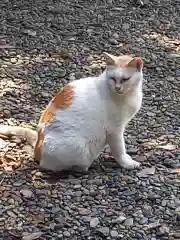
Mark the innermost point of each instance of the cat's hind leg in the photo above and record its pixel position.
(60, 155)
(118, 150)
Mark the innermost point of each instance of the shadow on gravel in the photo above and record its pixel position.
(29, 79)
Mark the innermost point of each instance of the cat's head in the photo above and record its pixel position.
(123, 72)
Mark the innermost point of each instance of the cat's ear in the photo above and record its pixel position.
(136, 63)
(110, 59)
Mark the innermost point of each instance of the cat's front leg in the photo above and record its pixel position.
(118, 150)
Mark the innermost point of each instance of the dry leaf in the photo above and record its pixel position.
(3, 144)
(168, 146)
(147, 171)
(4, 137)
(177, 170)
(153, 225)
(31, 236)
(5, 46)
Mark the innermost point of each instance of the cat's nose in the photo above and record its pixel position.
(118, 88)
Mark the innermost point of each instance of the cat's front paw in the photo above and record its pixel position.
(127, 162)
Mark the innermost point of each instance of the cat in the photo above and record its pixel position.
(86, 115)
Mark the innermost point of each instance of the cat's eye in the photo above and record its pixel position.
(124, 79)
(114, 79)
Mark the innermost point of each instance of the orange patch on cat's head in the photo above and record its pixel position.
(135, 63)
(123, 61)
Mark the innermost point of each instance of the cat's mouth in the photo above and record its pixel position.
(120, 92)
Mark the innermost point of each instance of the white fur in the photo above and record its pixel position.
(97, 116)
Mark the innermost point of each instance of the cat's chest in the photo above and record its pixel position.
(133, 104)
(128, 107)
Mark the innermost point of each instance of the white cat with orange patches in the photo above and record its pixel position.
(87, 115)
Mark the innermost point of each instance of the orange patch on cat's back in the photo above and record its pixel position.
(62, 100)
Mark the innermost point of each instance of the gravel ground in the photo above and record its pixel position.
(43, 45)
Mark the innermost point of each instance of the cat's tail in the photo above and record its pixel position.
(29, 134)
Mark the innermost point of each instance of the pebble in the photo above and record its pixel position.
(77, 186)
(19, 183)
(45, 95)
(84, 211)
(26, 193)
(129, 222)
(78, 193)
(113, 41)
(114, 233)
(94, 222)
(115, 35)
(120, 219)
(61, 72)
(104, 231)
(177, 235)
(13, 60)
(66, 234)
(143, 221)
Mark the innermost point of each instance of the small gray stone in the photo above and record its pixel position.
(104, 231)
(110, 2)
(129, 222)
(85, 219)
(13, 60)
(177, 210)
(44, 94)
(143, 220)
(120, 219)
(84, 211)
(164, 229)
(2, 219)
(115, 35)
(113, 41)
(11, 214)
(61, 72)
(26, 193)
(78, 193)
(30, 32)
(177, 235)
(120, 236)
(126, 26)
(78, 186)
(19, 183)
(90, 58)
(94, 222)
(114, 233)
(55, 210)
(66, 234)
